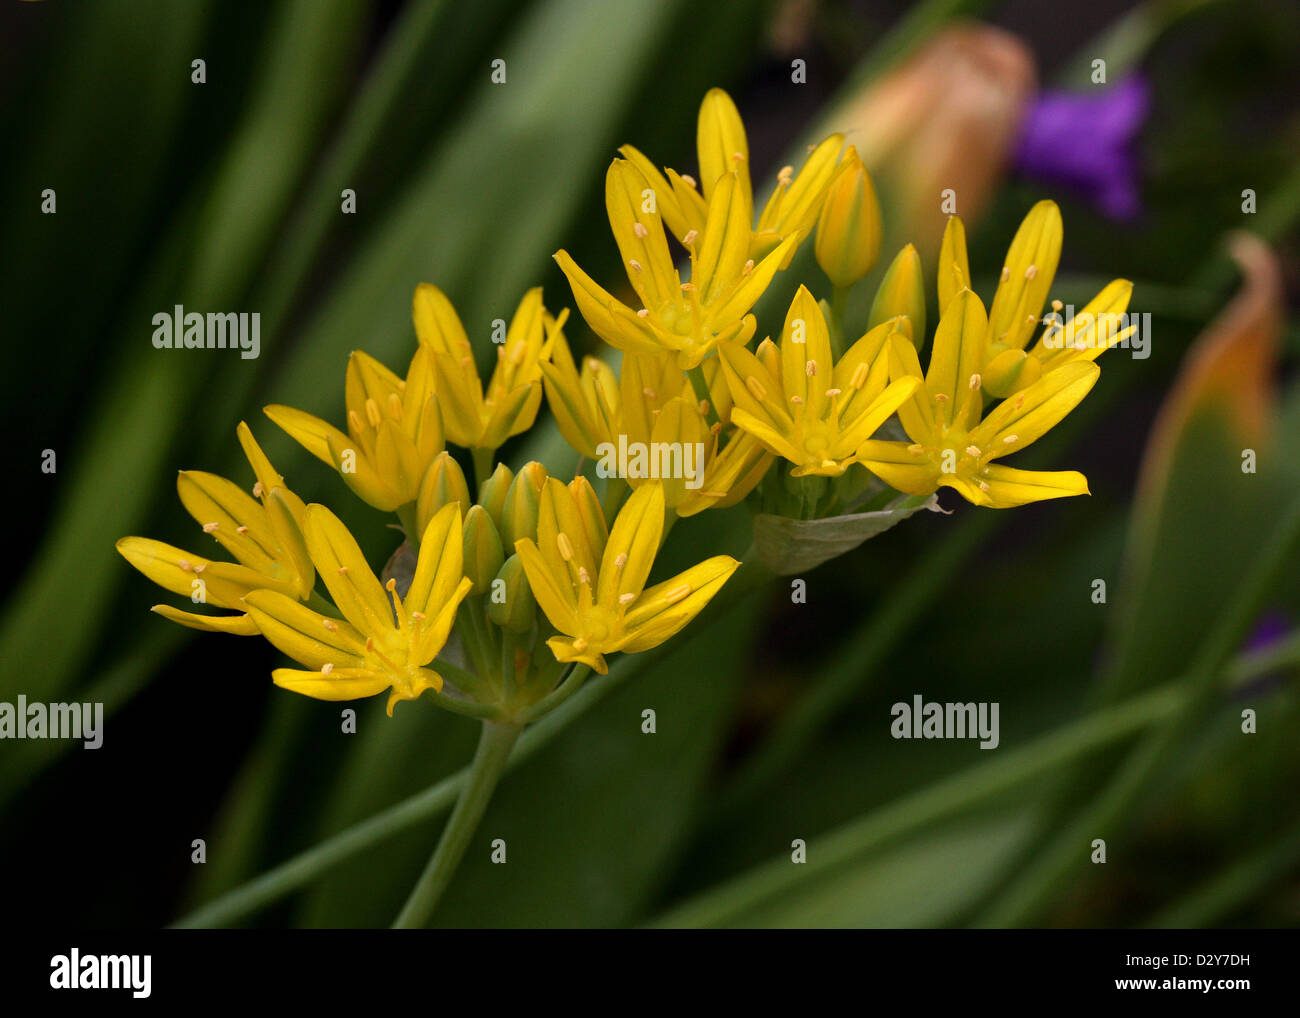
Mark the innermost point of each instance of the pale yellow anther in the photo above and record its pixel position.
(626, 598)
(1011, 440)
(715, 428)
(677, 593)
(241, 531)
(690, 237)
(343, 570)
(738, 156)
(1020, 401)
(326, 668)
(1006, 273)
(832, 393)
(184, 563)
(417, 616)
(975, 381)
(688, 180)
(636, 265)
(984, 486)
(621, 561)
(648, 393)
(941, 397)
(210, 527)
(257, 490)
(747, 268)
(755, 387)
(704, 408)
(688, 287)
(354, 419)
(1031, 272)
(797, 400)
(330, 625)
(565, 546)
(583, 575)
(859, 378)
(916, 449)
(1057, 305)
(642, 313)
(580, 644)
(972, 450)
(785, 174)
(639, 229)
(372, 413)
(200, 567)
(811, 369)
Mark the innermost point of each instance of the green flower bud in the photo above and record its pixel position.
(492, 494)
(510, 603)
(483, 556)
(848, 232)
(523, 501)
(443, 482)
(902, 292)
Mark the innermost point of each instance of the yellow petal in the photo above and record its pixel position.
(340, 684)
(554, 594)
(229, 515)
(722, 146)
(665, 608)
(956, 358)
(632, 546)
(1027, 416)
(238, 625)
(266, 474)
(753, 285)
(1027, 273)
(805, 357)
(361, 475)
(436, 321)
(306, 636)
(184, 573)
(724, 247)
(309, 431)
(912, 474)
(634, 219)
(439, 566)
(954, 268)
(916, 414)
(1009, 487)
(346, 573)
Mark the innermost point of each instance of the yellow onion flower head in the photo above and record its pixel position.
(478, 417)
(584, 402)
(952, 442)
(723, 149)
(394, 430)
(591, 586)
(1009, 364)
(688, 319)
(667, 439)
(801, 404)
(384, 641)
(262, 533)
(848, 232)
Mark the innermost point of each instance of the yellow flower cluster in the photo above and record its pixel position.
(541, 577)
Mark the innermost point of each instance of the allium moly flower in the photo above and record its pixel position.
(1008, 363)
(723, 148)
(688, 319)
(592, 586)
(384, 640)
(478, 417)
(394, 430)
(953, 444)
(801, 404)
(262, 533)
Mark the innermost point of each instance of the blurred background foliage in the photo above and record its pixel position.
(1119, 720)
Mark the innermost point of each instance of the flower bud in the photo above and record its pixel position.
(492, 493)
(902, 292)
(523, 500)
(848, 231)
(443, 482)
(483, 555)
(511, 605)
(1008, 370)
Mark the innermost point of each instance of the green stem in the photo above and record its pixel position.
(701, 387)
(489, 764)
(302, 869)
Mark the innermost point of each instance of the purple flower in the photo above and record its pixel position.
(1083, 142)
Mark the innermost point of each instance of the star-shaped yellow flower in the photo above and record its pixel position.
(476, 417)
(953, 443)
(592, 587)
(691, 318)
(262, 533)
(723, 148)
(394, 430)
(383, 641)
(802, 405)
(1008, 363)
